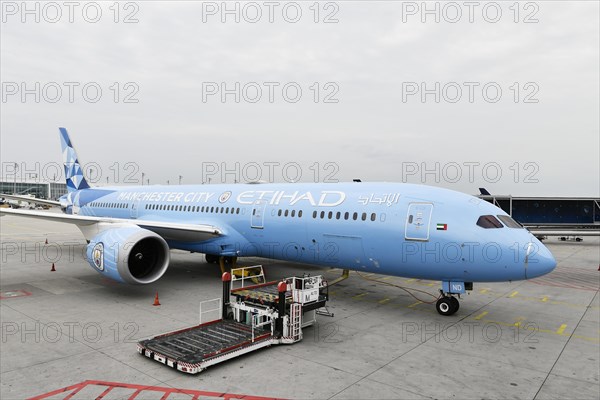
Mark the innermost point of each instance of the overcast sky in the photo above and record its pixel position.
(492, 95)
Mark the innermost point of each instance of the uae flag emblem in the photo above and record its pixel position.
(442, 227)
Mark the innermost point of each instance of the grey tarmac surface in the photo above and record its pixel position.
(535, 339)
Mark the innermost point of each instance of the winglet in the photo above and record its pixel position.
(73, 171)
(484, 192)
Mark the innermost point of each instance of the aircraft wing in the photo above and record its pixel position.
(168, 230)
(31, 199)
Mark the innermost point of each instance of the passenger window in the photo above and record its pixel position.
(279, 213)
(293, 214)
(330, 214)
(346, 215)
(410, 219)
(300, 214)
(286, 213)
(314, 214)
(489, 221)
(373, 216)
(322, 214)
(355, 216)
(338, 215)
(364, 216)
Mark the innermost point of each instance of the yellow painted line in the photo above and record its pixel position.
(484, 291)
(415, 304)
(386, 278)
(359, 296)
(545, 298)
(430, 284)
(383, 301)
(410, 280)
(513, 294)
(332, 292)
(483, 314)
(518, 322)
(561, 329)
(590, 339)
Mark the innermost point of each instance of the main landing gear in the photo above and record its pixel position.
(223, 261)
(447, 305)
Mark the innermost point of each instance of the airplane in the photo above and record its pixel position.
(398, 229)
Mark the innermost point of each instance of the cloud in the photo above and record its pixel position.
(353, 109)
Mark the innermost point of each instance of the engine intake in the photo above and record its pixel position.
(129, 254)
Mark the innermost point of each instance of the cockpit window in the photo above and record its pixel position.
(508, 221)
(489, 221)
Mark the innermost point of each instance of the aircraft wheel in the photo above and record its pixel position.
(445, 306)
(211, 258)
(455, 304)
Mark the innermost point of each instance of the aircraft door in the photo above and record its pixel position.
(257, 219)
(134, 208)
(418, 220)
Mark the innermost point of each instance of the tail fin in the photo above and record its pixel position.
(73, 171)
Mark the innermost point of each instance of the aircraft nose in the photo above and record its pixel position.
(540, 261)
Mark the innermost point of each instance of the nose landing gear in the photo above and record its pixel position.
(447, 305)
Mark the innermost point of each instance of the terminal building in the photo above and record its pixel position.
(556, 216)
(40, 190)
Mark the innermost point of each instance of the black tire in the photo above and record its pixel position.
(211, 258)
(444, 306)
(455, 304)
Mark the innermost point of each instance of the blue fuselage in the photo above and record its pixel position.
(388, 228)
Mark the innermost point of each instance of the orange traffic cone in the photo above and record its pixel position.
(156, 302)
(52, 269)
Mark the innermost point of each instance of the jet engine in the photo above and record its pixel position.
(129, 254)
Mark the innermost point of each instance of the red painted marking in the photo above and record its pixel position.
(9, 294)
(108, 389)
(139, 389)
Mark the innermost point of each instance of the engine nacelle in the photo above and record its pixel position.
(129, 254)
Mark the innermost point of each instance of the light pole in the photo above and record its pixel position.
(180, 177)
(15, 181)
(143, 178)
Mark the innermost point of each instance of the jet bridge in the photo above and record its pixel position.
(251, 317)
